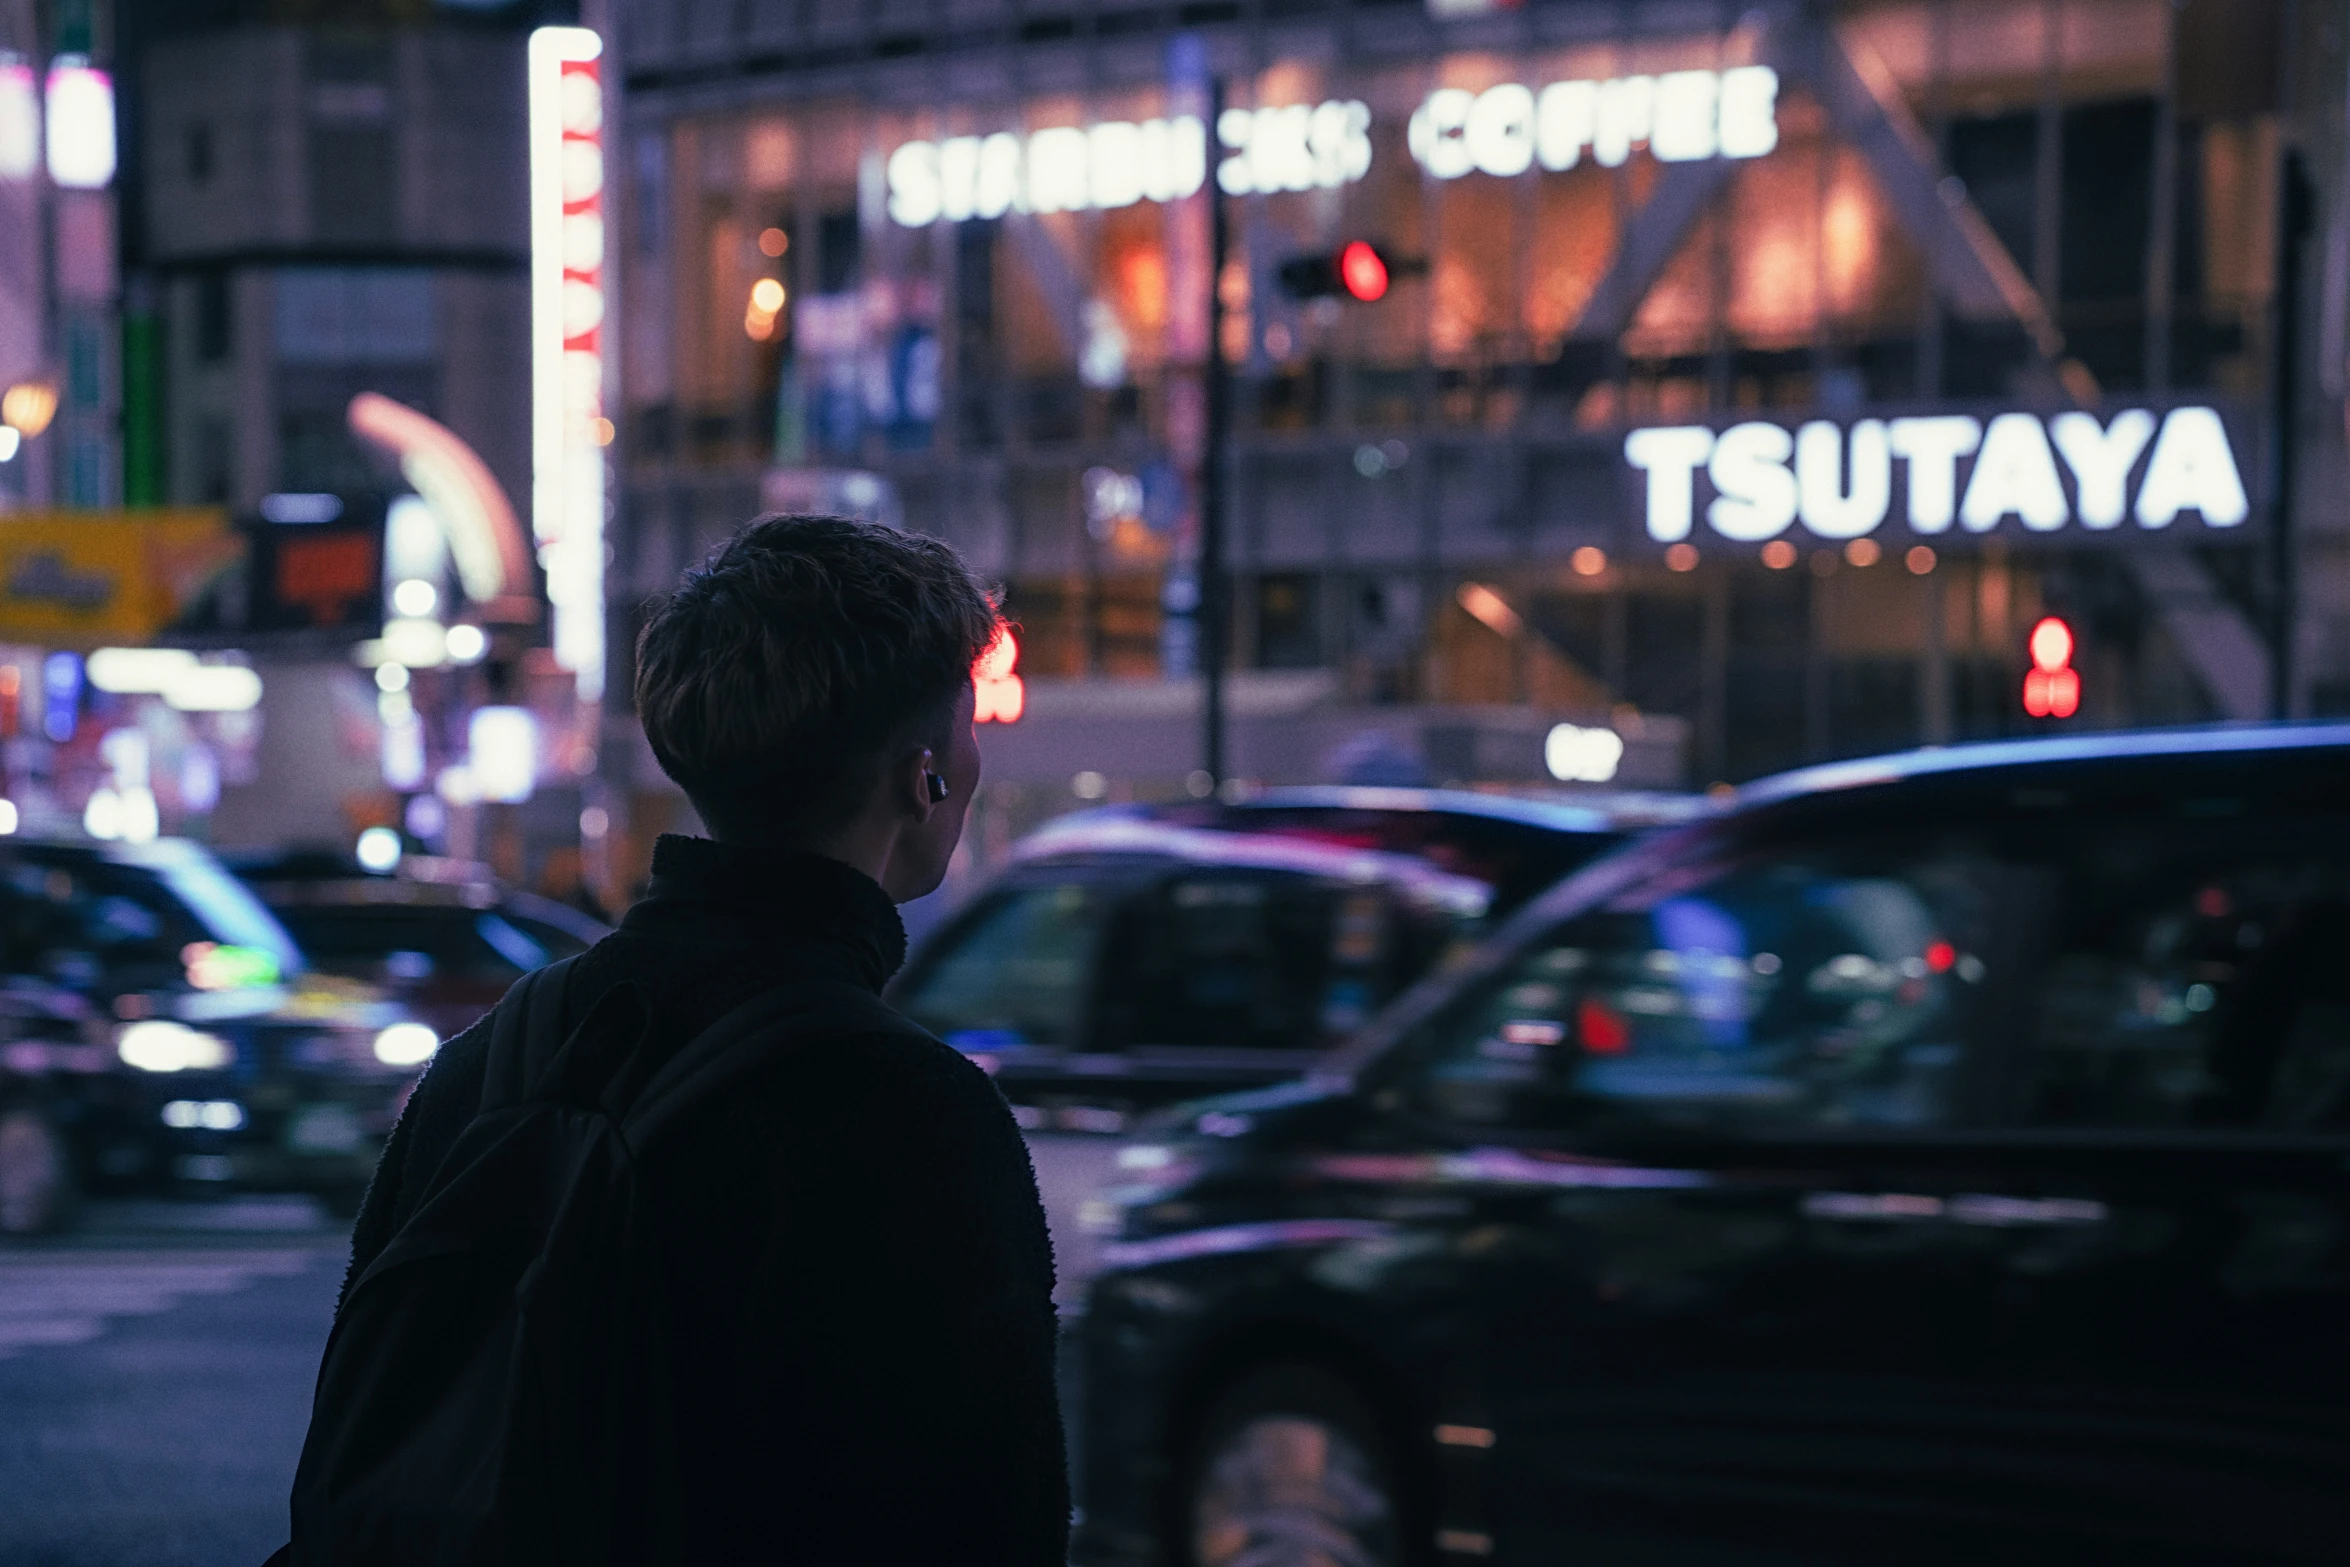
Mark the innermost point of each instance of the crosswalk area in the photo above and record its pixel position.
(71, 1296)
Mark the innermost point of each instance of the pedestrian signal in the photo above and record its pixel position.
(999, 697)
(2053, 688)
(1357, 270)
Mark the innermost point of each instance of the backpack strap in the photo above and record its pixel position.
(526, 1030)
(748, 1035)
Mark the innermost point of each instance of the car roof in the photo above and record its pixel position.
(2088, 752)
(1071, 839)
(1584, 813)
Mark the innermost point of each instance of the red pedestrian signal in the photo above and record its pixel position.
(998, 695)
(1357, 270)
(1362, 271)
(2053, 688)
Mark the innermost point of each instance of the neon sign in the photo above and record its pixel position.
(568, 428)
(1681, 117)
(1116, 163)
(1838, 481)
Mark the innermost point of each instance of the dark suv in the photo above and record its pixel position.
(1931, 1160)
(1136, 956)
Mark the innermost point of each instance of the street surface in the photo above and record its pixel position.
(156, 1368)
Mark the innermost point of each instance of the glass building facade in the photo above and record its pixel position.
(1773, 370)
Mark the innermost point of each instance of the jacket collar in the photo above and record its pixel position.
(781, 898)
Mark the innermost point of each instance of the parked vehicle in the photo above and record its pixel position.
(442, 936)
(1935, 1159)
(158, 1027)
(1136, 956)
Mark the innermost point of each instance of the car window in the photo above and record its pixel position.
(89, 922)
(1807, 989)
(1016, 973)
(412, 943)
(2196, 978)
(1246, 959)
(552, 941)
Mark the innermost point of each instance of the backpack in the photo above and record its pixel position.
(495, 1391)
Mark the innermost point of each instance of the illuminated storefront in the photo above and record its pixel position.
(1774, 377)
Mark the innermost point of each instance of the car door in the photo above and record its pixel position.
(2175, 1344)
(1709, 1146)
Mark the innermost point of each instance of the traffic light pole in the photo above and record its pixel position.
(1214, 586)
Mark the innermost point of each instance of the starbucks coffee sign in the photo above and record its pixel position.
(1938, 474)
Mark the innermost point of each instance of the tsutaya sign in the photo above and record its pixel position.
(1069, 168)
(1682, 117)
(2139, 466)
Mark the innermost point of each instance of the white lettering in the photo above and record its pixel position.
(1340, 140)
(1565, 115)
(2100, 459)
(1069, 169)
(1438, 133)
(1056, 170)
(1687, 117)
(1500, 132)
(1750, 111)
(958, 177)
(1627, 112)
(2192, 470)
(1174, 158)
(1932, 447)
(1113, 156)
(1749, 468)
(1682, 116)
(915, 192)
(1670, 457)
(2014, 472)
(999, 176)
(1828, 510)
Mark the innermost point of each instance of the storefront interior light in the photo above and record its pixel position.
(418, 643)
(215, 688)
(502, 753)
(10, 440)
(466, 644)
(28, 406)
(416, 597)
(138, 671)
(9, 818)
(80, 124)
(20, 119)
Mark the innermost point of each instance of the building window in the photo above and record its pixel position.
(214, 321)
(198, 147)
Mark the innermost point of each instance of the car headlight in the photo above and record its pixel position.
(406, 1044)
(161, 1045)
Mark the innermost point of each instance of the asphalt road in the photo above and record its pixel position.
(156, 1367)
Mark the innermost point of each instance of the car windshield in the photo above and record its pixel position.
(139, 909)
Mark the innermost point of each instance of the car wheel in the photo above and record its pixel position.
(1291, 1472)
(37, 1190)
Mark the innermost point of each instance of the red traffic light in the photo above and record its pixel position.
(1362, 271)
(2053, 688)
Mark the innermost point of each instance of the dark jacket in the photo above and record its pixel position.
(860, 1281)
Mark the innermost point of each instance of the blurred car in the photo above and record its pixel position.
(158, 1027)
(1134, 956)
(1937, 1159)
(443, 936)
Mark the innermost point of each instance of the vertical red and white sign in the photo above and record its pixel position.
(569, 429)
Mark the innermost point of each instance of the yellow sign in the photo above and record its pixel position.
(82, 579)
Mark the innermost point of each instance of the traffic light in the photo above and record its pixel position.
(1357, 270)
(2053, 688)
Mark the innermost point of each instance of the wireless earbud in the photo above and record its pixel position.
(938, 788)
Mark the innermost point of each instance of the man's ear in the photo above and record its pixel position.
(924, 788)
